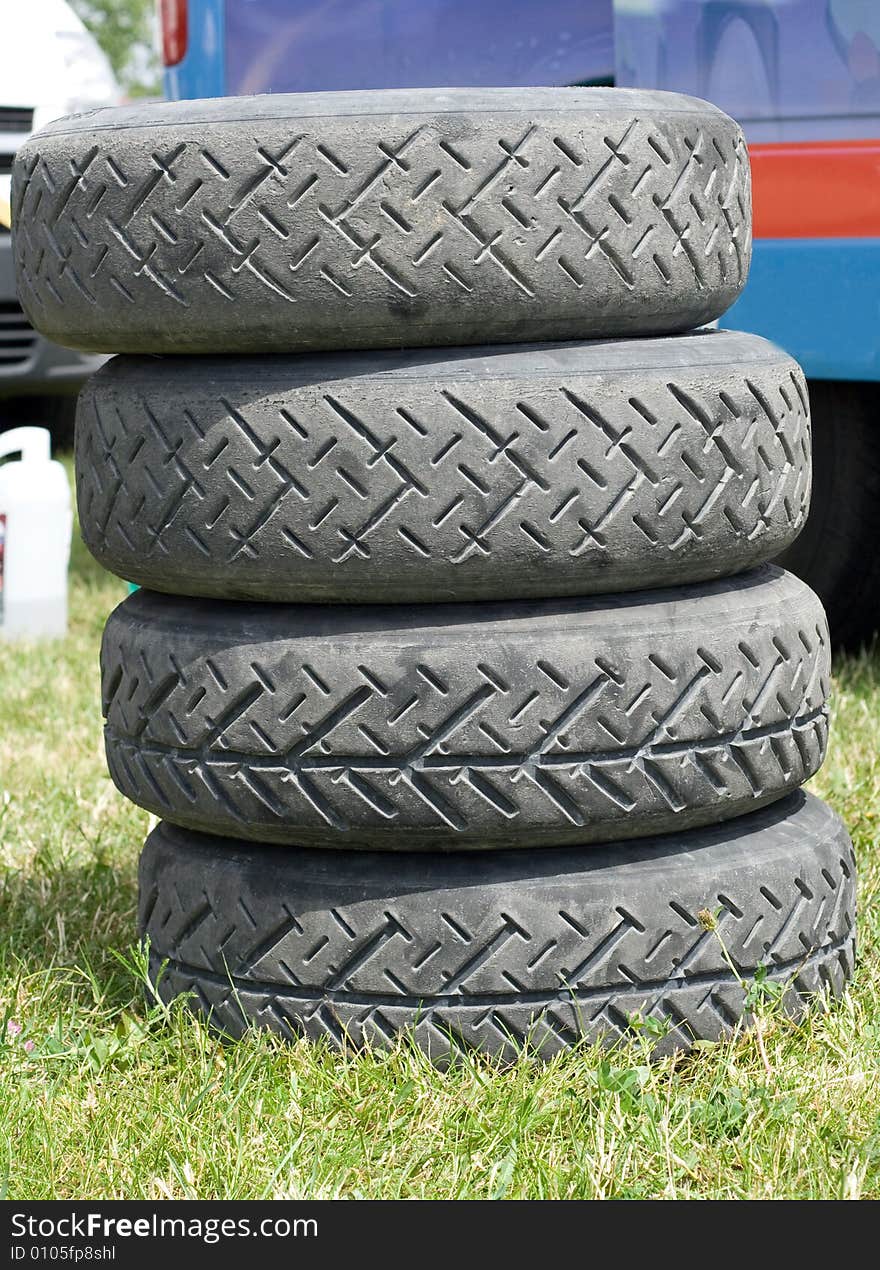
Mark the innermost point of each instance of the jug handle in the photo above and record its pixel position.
(30, 443)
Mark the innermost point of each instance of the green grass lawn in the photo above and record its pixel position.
(101, 1098)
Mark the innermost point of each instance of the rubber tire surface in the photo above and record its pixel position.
(546, 948)
(501, 473)
(837, 553)
(381, 219)
(458, 726)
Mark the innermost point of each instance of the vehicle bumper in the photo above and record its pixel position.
(819, 299)
(29, 363)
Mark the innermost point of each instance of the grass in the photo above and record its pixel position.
(102, 1098)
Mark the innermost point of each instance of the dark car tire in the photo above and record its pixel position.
(381, 219)
(838, 552)
(467, 726)
(502, 473)
(536, 949)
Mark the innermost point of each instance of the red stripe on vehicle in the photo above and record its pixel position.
(816, 189)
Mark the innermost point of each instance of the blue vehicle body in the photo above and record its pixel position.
(802, 76)
(803, 79)
(820, 300)
(202, 72)
(313, 45)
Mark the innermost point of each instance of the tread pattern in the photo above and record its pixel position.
(521, 475)
(446, 225)
(353, 953)
(552, 724)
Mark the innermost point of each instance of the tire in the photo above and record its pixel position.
(381, 219)
(456, 726)
(503, 473)
(544, 949)
(837, 551)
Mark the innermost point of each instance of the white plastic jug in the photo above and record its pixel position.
(36, 522)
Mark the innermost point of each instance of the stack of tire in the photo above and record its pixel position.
(460, 680)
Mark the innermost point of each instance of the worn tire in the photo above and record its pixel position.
(458, 726)
(501, 473)
(542, 948)
(381, 219)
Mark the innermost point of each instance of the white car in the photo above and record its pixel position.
(49, 66)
